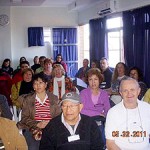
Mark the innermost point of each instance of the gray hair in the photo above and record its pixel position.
(128, 79)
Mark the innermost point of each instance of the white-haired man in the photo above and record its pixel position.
(128, 123)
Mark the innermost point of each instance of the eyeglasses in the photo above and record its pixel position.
(70, 106)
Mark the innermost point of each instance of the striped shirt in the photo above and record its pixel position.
(42, 109)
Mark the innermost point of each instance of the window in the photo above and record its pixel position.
(114, 32)
(84, 50)
(47, 34)
(86, 41)
(114, 38)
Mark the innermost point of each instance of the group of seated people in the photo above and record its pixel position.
(113, 76)
(49, 103)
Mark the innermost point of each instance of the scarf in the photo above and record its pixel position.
(55, 85)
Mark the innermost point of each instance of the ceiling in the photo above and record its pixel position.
(51, 3)
(71, 4)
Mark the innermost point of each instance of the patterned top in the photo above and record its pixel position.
(69, 87)
(42, 110)
(115, 85)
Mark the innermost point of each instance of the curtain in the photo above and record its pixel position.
(35, 36)
(65, 43)
(97, 39)
(136, 38)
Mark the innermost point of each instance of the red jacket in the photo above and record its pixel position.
(5, 86)
(17, 77)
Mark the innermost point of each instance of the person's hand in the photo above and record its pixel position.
(42, 124)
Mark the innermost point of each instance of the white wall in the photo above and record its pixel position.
(14, 38)
(5, 38)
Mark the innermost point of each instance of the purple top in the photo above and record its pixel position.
(89, 108)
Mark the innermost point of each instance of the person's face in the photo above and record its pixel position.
(39, 86)
(71, 111)
(93, 82)
(93, 65)
(27, 77)
(24, 66)
(6, 64)
(58, 72)
(85, 63)
(129, 92)
(134, 74)
(36, 60)
(48, 66)
(103, 64)
(42, 61)
(59, 58)
(120, 70)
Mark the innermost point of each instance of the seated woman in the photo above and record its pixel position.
(38, 109)
(5, 86)
(136, 73)
(120, 73)
(6, 67)
(59, 60)
(147, 96)
(22, 87)
(60, 84)
(95, 100)
(47, 69)
(94, 64)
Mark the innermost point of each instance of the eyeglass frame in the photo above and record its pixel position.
(72, 107)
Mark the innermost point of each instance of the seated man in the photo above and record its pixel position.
(18, 76)
(81, 75)
(71, 130)
(83, 70)
(41, 61)
(127, 123)
(4, 108)
(107, 72)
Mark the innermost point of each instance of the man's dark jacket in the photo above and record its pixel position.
(55, 136)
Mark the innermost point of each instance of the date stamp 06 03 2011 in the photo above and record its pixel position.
(129, 134)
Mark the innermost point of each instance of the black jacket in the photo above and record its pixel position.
(55, 136)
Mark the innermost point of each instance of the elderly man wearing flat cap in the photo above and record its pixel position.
(71, 130)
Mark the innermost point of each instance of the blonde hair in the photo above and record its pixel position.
(58, 66)
(26, 70)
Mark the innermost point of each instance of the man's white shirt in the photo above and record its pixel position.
(129, 128)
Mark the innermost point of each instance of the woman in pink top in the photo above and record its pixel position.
(95, 100)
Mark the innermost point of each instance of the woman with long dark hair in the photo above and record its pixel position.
(6, 67)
